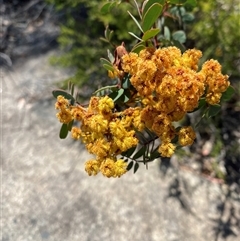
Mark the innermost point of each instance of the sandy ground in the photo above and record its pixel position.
(46, 194)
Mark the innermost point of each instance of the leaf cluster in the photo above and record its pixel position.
(160, 22)
(82, 25)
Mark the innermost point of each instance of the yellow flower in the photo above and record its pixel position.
(105, 105)
(137, 121)
(97, 123)
(78, 112)
(100, 148)
(177, 114)
(129, 63)
(215, 81)
(120, 168)
(132, 116)
(107, 167)
(184, 87)
(166, 149)
(146, 53)
(166, 104)
(76, 133)
(128, 142)
(167, 57)
(213, 98)
(186, 136)
(61, 103)
(163, 128)
(117, 129)
(64, 116)
(168, 86)
(93, 104)
(92, 167)
(148, 115)
(190, 58)
(115, 73)
(111, 168)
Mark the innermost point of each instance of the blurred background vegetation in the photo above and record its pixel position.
(82, 26)
(216, 33)
(212, 26)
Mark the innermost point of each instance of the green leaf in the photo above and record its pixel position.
(70, 124)
(105, 61)
(63, 131)
(126, 96)
(129, 152)
(150, 33)
(110, 56)
(138, 47)
(150, 3)
(105, 8)
(108, 67)
(151, 16)
(179, 36)
(65, 94)
(213, 110)
(136, 166)
(104, 40)
(167, 33)
(180, 2)
(227, 95)
(191, 3)
(107, 64)
(116, 94)
(126, 81)
(154, 155)
(135, 20)
(108, 34)
(137, 7)
(135, 36)
(139, 153)
(179, 45)
(129, 166)
(201, 103)
(188, 17)
(72, 89)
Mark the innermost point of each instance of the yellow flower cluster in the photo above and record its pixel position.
(64, 108)
(106, 133)
(215, 82)
(170, 85)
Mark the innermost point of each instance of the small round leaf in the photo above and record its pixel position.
(179, 36)
(63, 131)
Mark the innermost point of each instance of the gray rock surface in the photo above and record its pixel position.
(46, 194)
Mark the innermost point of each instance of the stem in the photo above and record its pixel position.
(105, 88)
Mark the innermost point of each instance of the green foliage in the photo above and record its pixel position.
(65, 94)
(216, 32)
(81, 30)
